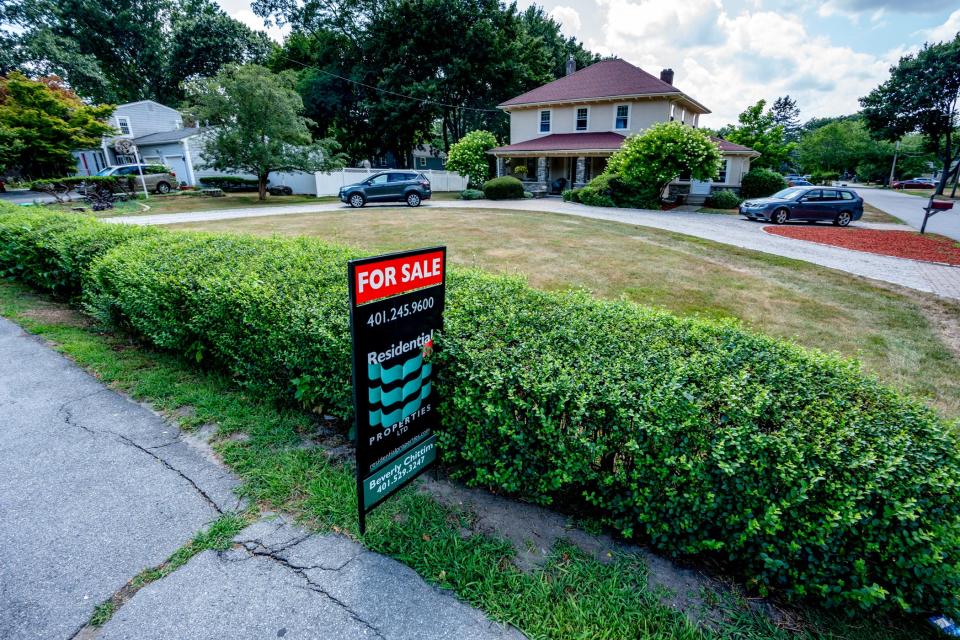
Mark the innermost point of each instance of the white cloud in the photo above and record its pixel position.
(730, 61)
(569, 19)
(240, 10)
(946, 31)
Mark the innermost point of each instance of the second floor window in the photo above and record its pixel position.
(123, 123)
(544, 122)
(623, 117)
(582, 113)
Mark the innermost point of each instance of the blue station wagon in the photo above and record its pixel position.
(809, 204)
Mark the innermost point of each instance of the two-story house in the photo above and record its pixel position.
(564, 131)
(159, 136)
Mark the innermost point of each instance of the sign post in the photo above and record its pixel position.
(396, 306)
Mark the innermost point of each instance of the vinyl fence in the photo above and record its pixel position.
(328, 184)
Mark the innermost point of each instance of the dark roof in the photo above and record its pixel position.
(731, 146)
(167, 136)
(568, 142)
(604, 79)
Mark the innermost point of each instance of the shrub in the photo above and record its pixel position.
(468, 156)
(59, 188)
(520, 171)
(471, 194)
(609, 190)
(760, 183)
(503, 188)
(723, 199)
(527, 195)
(698, 437)
(571, 195)
(230, 183)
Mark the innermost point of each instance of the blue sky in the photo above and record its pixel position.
(730, 53)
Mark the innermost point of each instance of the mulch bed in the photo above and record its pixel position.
(901, 244)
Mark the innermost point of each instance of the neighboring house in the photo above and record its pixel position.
(423, 157)
(567, 129)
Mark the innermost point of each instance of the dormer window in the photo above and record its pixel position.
(583, 115)
(545, 121)
(621, 119)
(123, 124)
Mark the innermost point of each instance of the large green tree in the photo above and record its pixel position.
(921, 97)
(124, 50)
(758, 128)
(361, 61)
(258, 126)
(41, 122)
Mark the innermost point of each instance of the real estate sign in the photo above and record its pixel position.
(396, 306)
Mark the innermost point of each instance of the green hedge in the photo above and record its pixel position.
(760, 183)
(803, 474)
(230, 183)
(503, 188)
(723, 199)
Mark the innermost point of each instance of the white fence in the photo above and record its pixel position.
(328, 184)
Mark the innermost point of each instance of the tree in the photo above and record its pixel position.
(125, 50)
(786, 113)
(650, 161)
(41, 122)
(258, 126)
(921, 97)
(468, 156)
(759, 130)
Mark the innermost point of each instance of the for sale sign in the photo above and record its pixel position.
(396, 308)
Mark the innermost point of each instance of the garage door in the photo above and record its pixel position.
(179, 167)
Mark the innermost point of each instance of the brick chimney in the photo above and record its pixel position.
(571, 65)
(667, 76)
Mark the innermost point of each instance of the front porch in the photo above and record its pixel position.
(551, 173)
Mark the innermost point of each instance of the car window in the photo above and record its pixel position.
(830, 194)
(125, 171)
(380, 179)
(105, 172)
(814, 195)
(398, 177)
(846, 195)
(787, 194)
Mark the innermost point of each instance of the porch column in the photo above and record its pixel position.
(501, 167)
(581, 171)
(542, 170)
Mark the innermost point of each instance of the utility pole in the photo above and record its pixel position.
(893, 167)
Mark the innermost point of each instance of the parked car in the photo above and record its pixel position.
(799, 182)
(914, 183)
(811, 204)
(157, 177)
(390, 186)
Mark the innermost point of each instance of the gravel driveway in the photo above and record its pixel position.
(732, 230)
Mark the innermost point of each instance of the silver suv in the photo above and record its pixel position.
(157, 177)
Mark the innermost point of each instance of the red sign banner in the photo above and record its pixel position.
(386, 278)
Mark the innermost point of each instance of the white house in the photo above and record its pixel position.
(566, 130)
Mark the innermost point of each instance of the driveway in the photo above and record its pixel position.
(732, 230)
(910, 209)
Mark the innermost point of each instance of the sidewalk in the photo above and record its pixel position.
(731, 230)
(95, 488)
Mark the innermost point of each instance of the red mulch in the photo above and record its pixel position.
(902, 244)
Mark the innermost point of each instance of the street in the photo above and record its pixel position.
(910, 209)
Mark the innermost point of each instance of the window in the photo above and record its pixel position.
(123, 123)
(582, 116)
(401, 177)
(422, 161)
(830, 194)
(545, 121)
(846, 195)
(685, 175)
(622, 117)
(380, 179)
(724, 168)
(813, 195)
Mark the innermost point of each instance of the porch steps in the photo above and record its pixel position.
(693, 198)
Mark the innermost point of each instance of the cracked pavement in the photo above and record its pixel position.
(95, 488)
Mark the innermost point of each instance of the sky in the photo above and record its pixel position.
(727, 54)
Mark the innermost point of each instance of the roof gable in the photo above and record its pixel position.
(604, 79)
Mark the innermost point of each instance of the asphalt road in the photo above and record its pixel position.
(910, 209)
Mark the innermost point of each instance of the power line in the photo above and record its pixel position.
(387, 91)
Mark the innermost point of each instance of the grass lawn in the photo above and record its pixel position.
(272, 447)
(909, 339)
(187, 201)
(926, 193)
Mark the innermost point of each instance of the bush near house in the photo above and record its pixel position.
(571, 195)
(699, 437)
(230, 183)
(760, 183)
(723, 199)
(468, 156)
(503, 188)
(471, 194)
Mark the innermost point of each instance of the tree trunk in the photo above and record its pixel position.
(262, 185)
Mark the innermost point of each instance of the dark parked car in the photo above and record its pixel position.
(798, 182)
(811, 204)
(914, 183)
(390, 186)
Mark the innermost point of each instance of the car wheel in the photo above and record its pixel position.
(413, 199)
(163, 187)
(357, 201)
(843, 219)
(780, 216)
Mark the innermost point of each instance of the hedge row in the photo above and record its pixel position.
(807, 476)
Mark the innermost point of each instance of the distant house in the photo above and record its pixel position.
(423, 157)
(563, 132)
